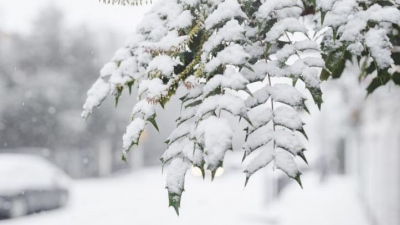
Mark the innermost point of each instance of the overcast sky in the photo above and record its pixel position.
(15, 15)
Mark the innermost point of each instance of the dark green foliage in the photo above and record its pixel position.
(382, 78)
(334, 64)
(297, 178)
(175, 201)
(396, 78)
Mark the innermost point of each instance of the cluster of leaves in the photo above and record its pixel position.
(362, 32)
(214, 50)
(127, 2)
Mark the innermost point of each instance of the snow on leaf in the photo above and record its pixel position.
(339, 12)
(129, 68)
(163, 63)
(326, 5)
(273, 5)
(176, 182)
(287, 94)
(217, 134)
(231, 31)
(259, 97)
(302, 67)
(228, 102)
(186, 114)
(352, 30)
(285, 162)
(121, 54)
(96, 95)
(258, 138)
(257, 73)
(306, 45)
(276, 69)
(259, 116)
(193, 154)
(233, 54)
(181, 131)
(117, 79)
(386, 14)
(144, 109)
(284, 53)
(286, 25)
(195, 92)
(231, 79)
(182, 21)
(379, 45)
(154, 88)
(108, 69)
(288, 141)
(175, 148)
(287, 117)
(225, 11)
(310, 77)
(266, 155)
(132, 134)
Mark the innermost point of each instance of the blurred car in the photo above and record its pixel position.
(30, 184)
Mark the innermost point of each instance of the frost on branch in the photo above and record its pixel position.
(240, 59)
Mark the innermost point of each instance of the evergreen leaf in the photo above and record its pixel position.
(396, 78)
(381, 79)
(152, 120)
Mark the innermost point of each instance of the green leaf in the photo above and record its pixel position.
(325, 74)
(338, 70)
(301, 155)
(334, 33)
(130, 84)
(396, 57)
(214, 168)
(118, 94)
(152, 120)
(247, 179)
(323, 14)
(245, 117)
(294, 81)
(303, 133)
(382, 78)
(371, 68)
(335, 63)
(183, 98)
(247, 90)
(385, 3)
(195, 103)
(201, 167)
(396, 78)
(175, 201)
(316, 94)
(244, 157)
(305, 108)
(297, 178)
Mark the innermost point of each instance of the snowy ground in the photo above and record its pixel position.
(139, 198)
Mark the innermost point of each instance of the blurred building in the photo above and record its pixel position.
(373, 155)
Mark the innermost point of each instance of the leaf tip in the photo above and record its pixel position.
(297, 178)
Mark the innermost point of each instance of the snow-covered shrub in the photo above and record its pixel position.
(215, 50)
